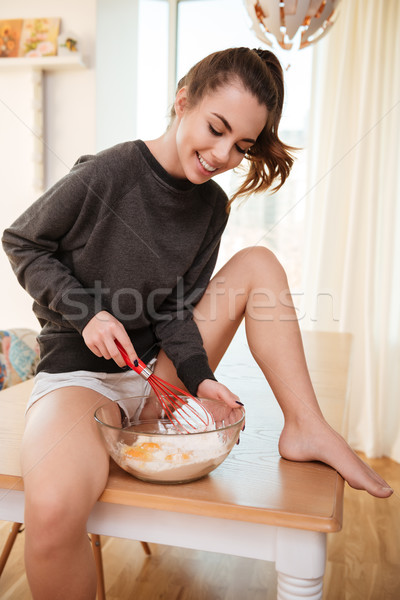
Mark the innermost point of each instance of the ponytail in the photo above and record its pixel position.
(270, 160)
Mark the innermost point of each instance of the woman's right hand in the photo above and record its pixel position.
(100, 335)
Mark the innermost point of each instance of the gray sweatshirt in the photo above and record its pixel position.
(118, 233)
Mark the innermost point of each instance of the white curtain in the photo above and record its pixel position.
(352, 264)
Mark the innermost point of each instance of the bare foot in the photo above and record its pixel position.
(314, 439)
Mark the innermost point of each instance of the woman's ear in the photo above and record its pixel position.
(180, 101)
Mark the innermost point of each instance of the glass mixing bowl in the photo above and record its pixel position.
(145, 443)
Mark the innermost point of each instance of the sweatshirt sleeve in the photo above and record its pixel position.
(175, 327)
(35, 240)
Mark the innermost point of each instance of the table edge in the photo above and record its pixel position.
(327, 524)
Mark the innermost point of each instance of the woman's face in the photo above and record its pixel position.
(213, 136)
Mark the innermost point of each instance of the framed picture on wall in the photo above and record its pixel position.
(10, 34)
(39, 37)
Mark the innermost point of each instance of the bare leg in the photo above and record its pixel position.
(253, 285)
(65, 468)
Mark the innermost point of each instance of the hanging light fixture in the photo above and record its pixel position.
(292, 24)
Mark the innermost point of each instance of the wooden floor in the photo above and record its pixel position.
(363, 561)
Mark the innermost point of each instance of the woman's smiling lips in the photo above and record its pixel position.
(205, 164)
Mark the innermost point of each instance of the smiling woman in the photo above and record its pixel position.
(64, 250)
(214, 134)
(237, 96)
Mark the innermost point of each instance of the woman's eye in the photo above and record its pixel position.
(239, 149)
(214, 131)
(219, 133)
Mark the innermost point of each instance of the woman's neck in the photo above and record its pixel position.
(165, 151)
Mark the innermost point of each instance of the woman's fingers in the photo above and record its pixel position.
(226, 413)
(217, 391)
(100, 335)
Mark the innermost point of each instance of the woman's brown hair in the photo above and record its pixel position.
(261, 74)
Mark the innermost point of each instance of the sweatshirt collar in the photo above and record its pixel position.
(174, 182)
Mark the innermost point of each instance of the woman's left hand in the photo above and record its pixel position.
(214, 390)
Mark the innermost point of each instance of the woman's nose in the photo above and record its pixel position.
(221, 151)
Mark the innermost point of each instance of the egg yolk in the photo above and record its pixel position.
(142, 452)
(179, 456)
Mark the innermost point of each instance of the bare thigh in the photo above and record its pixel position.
(64, 462)
(221, 309)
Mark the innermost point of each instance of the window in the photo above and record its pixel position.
(152, 85)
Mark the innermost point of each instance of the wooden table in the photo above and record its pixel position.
(254, 505)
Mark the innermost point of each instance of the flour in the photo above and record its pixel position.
(174, 457)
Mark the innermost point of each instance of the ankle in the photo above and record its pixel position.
(303, 420)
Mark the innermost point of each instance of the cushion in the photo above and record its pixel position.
(19, 355)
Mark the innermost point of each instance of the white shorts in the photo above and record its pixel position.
(115, 386)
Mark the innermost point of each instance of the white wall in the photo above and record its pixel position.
(116, 71)
(70, 130)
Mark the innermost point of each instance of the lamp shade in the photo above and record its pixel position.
(292, 24)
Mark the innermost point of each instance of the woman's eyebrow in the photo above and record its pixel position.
(229, 128)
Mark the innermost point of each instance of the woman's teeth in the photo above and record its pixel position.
(205, 164)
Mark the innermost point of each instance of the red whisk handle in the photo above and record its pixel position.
(137, 365)
(142, 369)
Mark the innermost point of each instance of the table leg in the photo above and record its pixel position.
(295, 588)
(300, 563)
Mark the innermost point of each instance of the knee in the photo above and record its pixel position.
(52, 519)
(259, 261)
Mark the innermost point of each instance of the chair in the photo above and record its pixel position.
(19, 355)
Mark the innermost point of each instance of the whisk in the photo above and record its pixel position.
(179, 411)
